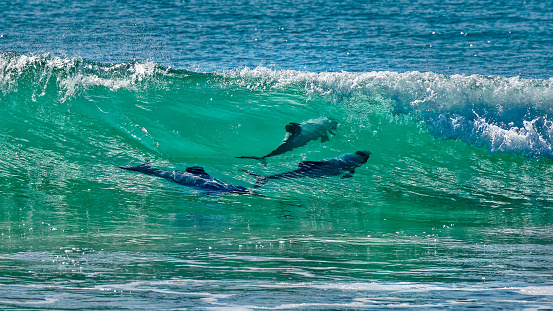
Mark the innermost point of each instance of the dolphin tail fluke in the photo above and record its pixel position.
(263, 160)
(259, 180)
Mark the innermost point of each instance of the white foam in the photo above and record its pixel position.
(72, 75)
(536, 290)
(511, 115)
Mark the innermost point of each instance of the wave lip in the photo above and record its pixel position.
(532, 139)
(505, 115)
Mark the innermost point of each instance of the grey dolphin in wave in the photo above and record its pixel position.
(300, 134)
(194, 176)
(344, 165)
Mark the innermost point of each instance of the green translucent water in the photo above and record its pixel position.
(438, 217)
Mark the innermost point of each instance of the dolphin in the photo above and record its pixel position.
(194, 177)
(299, 134)
(344, 165)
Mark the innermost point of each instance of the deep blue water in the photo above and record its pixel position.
(507, 38)
(453, 210)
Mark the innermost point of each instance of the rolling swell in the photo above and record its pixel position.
(82, 118)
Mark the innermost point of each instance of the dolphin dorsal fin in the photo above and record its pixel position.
(196, 170)
(293, 128)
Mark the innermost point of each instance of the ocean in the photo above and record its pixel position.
(453, 209)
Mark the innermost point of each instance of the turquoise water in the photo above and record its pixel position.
(453, 210)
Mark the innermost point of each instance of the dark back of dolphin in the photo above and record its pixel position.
(194, 176)
(344, 165)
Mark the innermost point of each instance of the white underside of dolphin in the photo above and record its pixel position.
(299, 134)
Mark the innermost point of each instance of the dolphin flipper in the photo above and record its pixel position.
(348, 175)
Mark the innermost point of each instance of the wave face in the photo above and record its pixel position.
(505, 115)
(460, 170)
(79, 116)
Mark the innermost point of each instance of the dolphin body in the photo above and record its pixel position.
(343, 164)
(194, 177)
(300, 134)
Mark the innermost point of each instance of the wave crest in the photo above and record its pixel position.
(510, 115)
(70, 75)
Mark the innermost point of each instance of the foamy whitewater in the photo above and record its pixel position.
(453, 209)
